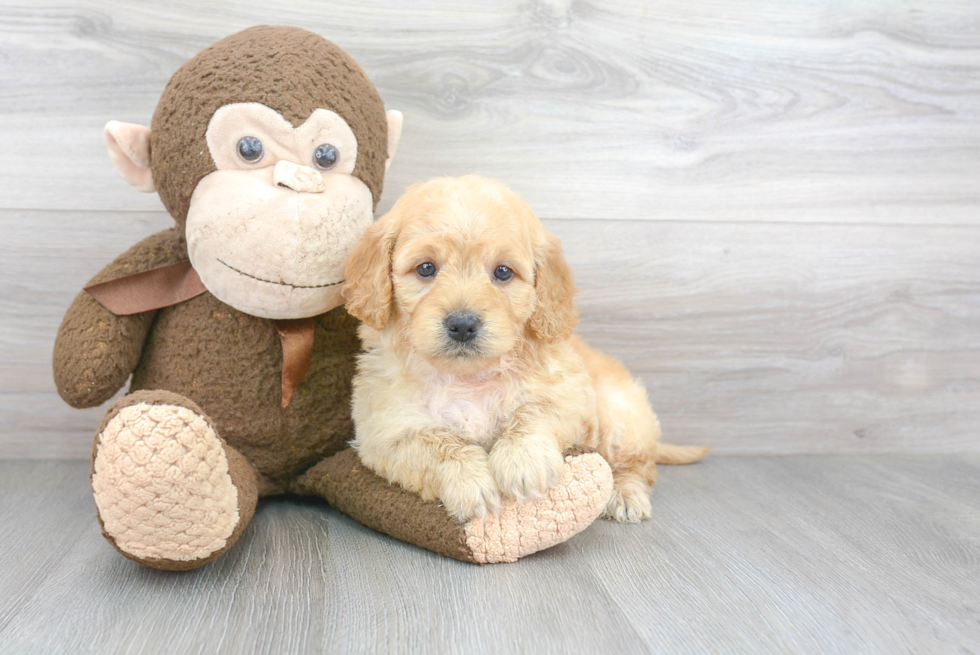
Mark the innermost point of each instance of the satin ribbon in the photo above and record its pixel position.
(296, 336)
(158, 287)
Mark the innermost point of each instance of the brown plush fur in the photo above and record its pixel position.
(96, 351)
(384, 507)
(288, 69)
(226, 361)
(223, 359)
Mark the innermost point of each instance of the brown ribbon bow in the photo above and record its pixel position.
(158, 287)
(174, 283)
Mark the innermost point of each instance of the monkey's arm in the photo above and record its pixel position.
(96, 351)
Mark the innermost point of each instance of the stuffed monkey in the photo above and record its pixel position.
(269, 150)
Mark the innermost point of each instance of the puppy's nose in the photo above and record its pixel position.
(462, 326)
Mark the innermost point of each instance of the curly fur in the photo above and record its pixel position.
(468, 424)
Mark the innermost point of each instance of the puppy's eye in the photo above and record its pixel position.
(502, 273)
(426, 269)
(250, 149)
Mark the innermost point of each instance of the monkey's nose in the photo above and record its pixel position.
(463, 326)
(298, 178)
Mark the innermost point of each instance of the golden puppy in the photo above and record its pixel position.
(471, 383)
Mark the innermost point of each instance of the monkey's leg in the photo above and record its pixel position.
(170, 493)
(517, 530)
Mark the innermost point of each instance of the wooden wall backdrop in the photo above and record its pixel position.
(773, 208)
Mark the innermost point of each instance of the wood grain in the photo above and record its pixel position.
(803, 554)
(45, 510)
(727, 110)
(772, 209)
(753, 338)
(791, 338)
(756, 555)
(773, 213)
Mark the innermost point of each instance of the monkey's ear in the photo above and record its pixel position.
(554, 315)
(395, 120)
(129, 150)
(368, 286)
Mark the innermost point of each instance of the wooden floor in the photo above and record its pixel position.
(800, 554)
(773, 212)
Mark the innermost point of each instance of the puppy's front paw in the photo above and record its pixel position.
(470, 491)
(526, 469)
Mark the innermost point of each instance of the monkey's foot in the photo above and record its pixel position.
(517, 530)
(162, 483)
(568, 508)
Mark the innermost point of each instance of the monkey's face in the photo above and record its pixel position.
(269, 149)
(269, 230)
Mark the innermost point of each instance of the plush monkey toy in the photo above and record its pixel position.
(269, 150)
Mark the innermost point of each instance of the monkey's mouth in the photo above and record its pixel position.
(281, 282)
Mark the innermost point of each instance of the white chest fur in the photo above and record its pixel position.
(476, 407)
(395, 392)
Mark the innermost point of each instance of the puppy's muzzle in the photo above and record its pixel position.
(463, 326)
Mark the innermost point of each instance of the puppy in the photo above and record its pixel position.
(471, 384)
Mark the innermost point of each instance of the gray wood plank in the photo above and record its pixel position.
(804, 554)
(44, 512)
(754, 338)
(873, 554)
(791, 338)
(720, 111)
(305, 579)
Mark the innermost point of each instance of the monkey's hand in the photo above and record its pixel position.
(96, 351)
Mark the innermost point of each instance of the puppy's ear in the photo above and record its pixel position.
(554, 315)
(367, 289)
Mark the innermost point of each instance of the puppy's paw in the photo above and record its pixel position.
(629, 505)
(526, 469)
(469, 490)
(467, 499)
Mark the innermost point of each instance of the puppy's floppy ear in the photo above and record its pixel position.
(554, 315)
(368, 274)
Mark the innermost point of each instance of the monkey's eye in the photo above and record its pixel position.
(325, 156)
(502, 273)
(426, 269)
(250, 149)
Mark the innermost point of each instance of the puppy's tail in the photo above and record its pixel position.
(670, 454)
